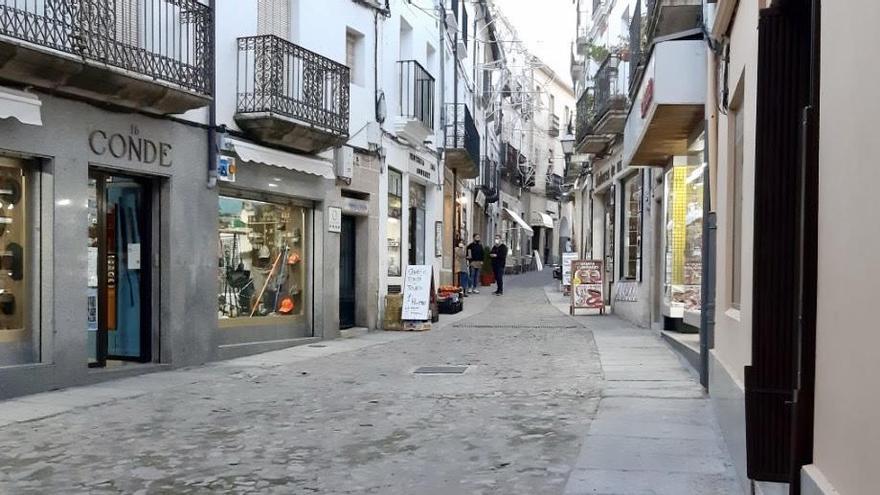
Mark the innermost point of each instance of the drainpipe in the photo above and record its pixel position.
(212, 106)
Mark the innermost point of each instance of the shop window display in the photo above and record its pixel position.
(632, 225)
(263, 262)
(18, 339)
(684, 236)
(395, 223)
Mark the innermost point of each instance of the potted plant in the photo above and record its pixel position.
(487, 276)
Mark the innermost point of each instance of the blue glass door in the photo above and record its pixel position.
(120, 232)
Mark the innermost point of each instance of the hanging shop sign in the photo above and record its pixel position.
(418, 293)
(226, 168)
(567, 259)
(334, 219)
(357, 207)
(438, 239)
(130, 146)
(587, 286)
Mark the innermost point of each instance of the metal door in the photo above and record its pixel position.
(347, 269)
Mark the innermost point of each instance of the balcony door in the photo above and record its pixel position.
(119, 269)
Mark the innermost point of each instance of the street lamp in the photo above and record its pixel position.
(567, 142)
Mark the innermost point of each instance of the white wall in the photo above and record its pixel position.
(312, 29)
(733, 328)
(847, 435)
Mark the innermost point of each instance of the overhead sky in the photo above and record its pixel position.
(547, 27)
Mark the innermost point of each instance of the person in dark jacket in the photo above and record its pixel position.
(499, 261)
(475, 256)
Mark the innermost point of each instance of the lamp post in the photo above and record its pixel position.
(567, 143)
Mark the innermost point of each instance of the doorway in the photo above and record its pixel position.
(119, 269)
(347, 272)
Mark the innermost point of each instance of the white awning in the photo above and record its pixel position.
(516, 218)
(25, 107)
(250, 152)
(540, 219)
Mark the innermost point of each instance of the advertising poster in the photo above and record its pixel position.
(567, 259)
(587, 285)
(418, 286)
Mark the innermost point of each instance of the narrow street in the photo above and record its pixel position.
(547, 404)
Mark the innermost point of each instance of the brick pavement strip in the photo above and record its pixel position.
(351, 417)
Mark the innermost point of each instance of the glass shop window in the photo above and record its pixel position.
(263, 262)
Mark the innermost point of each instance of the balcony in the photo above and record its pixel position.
(578, 67)
(150, 55)
(462, 141)
(602, 109)
(415, 119)
(515, 168)
(553, 186)
(669, 104)
(665, 17)
(611, 103)
(553, 125)
(290, 96)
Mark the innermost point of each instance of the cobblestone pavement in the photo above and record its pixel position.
(548, 404)
(347, 422)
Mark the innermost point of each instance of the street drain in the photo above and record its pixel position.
(441, 370)
(317, 345)
(522, 327)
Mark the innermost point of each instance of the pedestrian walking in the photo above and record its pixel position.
(475, 256)
(461, 265)
(499, 261)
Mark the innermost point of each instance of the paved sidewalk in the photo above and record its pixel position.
(654, 431)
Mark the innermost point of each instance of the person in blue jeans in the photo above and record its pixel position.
(475, 255)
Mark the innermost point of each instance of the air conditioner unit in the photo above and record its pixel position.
(344, 158)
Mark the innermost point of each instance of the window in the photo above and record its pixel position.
(566, 118)
(684, 233)
(273, 17)
(395, 223)
(632, 228)
(417, 193)
(19, 330)
(263, 262)
(735, 118)
(354, 55)
(406, 37)
(552, 104)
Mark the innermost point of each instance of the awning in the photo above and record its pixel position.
(540, 219)
(516, 218)
(25, 107)
(250, 152)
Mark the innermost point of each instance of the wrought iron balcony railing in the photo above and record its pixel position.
(636, 45)
(609, 90)
(461, 132)
(553, 186)
(584, 115)
(278, 77)
(416, 93)
(169, 41)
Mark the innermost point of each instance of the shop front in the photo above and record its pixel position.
(129, 290)
(683, 240)
(604, 222)
(664, 138)
(279, 218)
